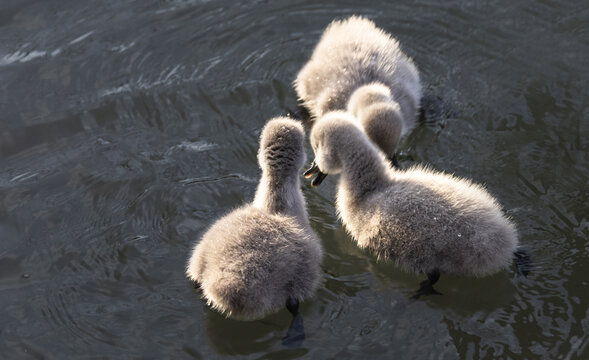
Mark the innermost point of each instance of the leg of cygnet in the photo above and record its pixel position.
(426, 286)
(296, 332)
(433, 276)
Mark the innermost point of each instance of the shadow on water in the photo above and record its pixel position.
(234, 337)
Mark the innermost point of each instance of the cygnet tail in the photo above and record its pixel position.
(522, 261)
(295, 334)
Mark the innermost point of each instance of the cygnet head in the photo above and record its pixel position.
(367, 95)
(379, 115)
(282, 150)
(330, 133)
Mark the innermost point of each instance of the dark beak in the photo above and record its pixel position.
(319, 175)
(312, 170)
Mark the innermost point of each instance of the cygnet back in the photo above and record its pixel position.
(351, 53)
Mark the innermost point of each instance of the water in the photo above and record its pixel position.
(129, 126)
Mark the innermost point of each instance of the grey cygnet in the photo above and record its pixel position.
(360, 68)
(424, 220)
(263, 255)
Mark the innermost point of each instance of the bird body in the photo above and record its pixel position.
(360, 68)
(262, 255)
(250, 262)
(424, 220)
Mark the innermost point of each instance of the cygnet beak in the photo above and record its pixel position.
(311, 171)
(314, 169)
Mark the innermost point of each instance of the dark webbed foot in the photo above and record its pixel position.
(426, 287)
(433, 276)
(296, 331)
(522, 261)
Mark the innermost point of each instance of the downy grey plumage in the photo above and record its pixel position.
(424, 220)
(360, 68)
(261, 255)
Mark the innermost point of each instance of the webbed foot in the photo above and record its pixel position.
(426, 287)
(296, 331)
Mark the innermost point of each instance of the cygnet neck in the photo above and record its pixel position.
(281, 194)
(364, 168)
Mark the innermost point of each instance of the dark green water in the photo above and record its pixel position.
(127, 127)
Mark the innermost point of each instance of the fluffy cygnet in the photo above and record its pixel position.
(360, 68)
(263, 255)
(424, 220)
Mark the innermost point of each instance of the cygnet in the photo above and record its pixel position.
(424, 220)
(360, 68)
(263, 255)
